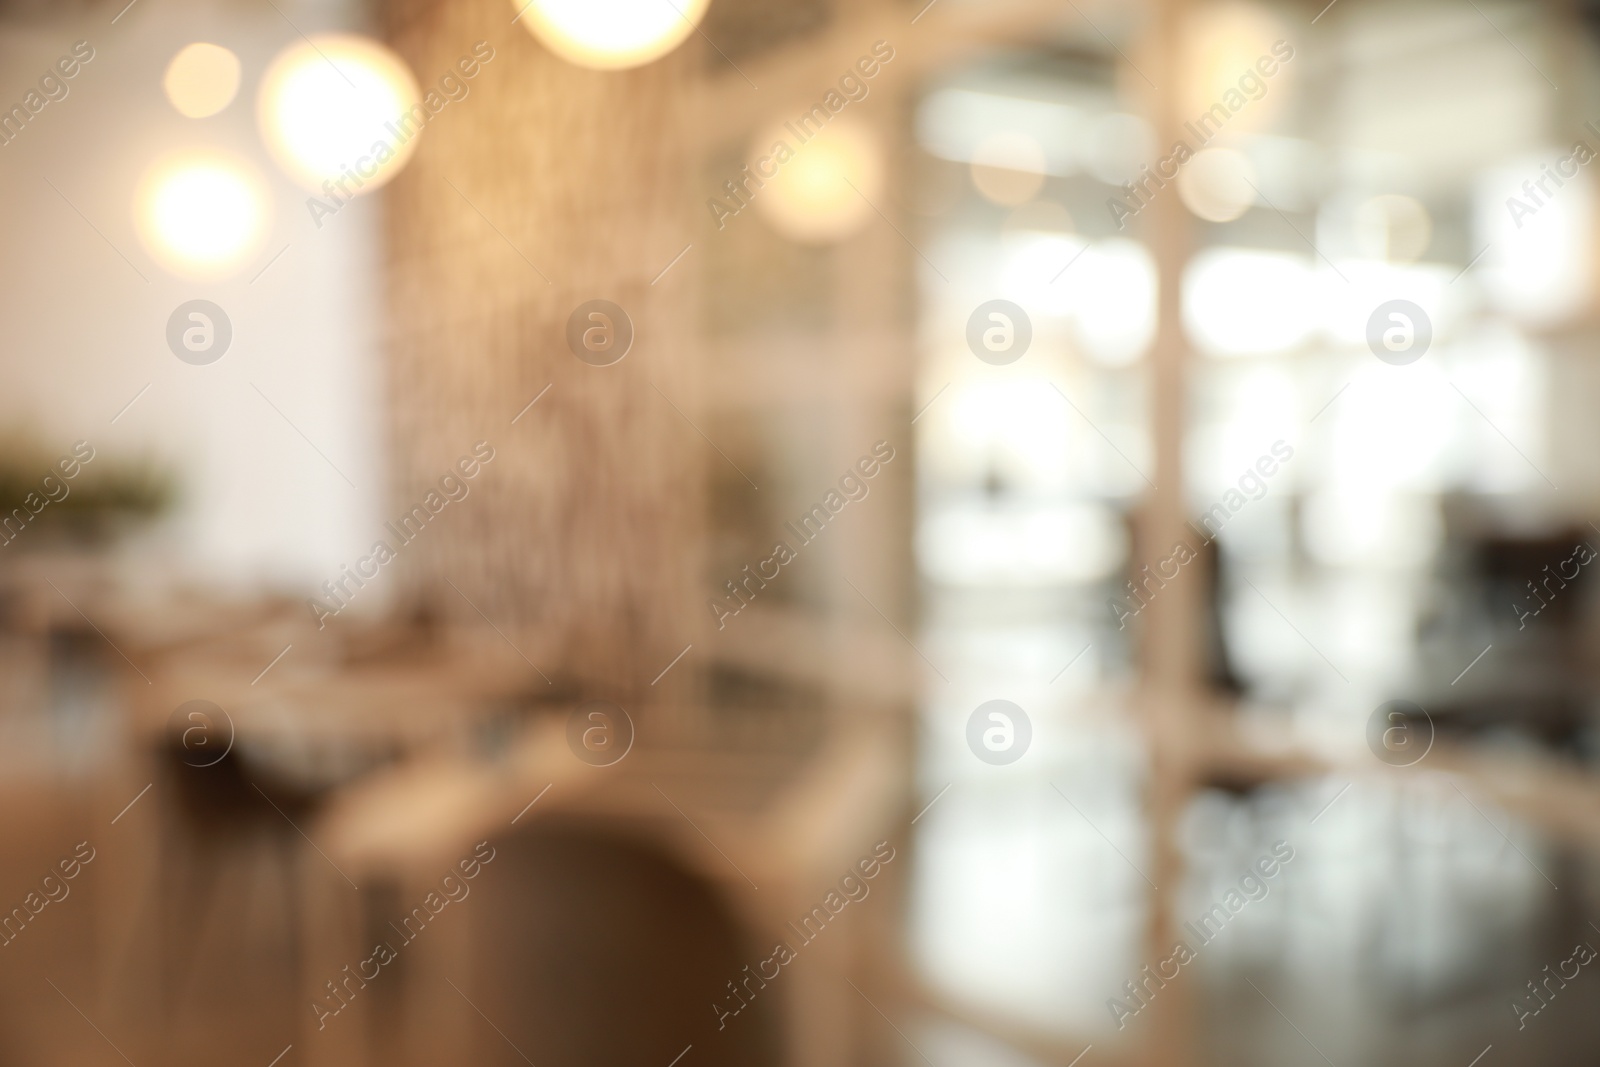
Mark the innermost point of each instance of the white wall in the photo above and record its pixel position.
(82, 333)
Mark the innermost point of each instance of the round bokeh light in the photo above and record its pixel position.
(611, 34)
(201, 215)
(202, 79)
(339, 105)
(824, 192)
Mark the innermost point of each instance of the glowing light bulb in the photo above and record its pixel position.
(339, 104)
(202, 215)
(611, 34)
(202, 79)
(825, 192)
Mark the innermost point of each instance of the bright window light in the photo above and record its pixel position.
(1107, 290)
(1539, 265)
(1026, 545)
(1238, 302)
(1031, 260)
(1114, 287)
(1007, 426)
(1348, 296)
(1364, 527)
(1395, 432)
